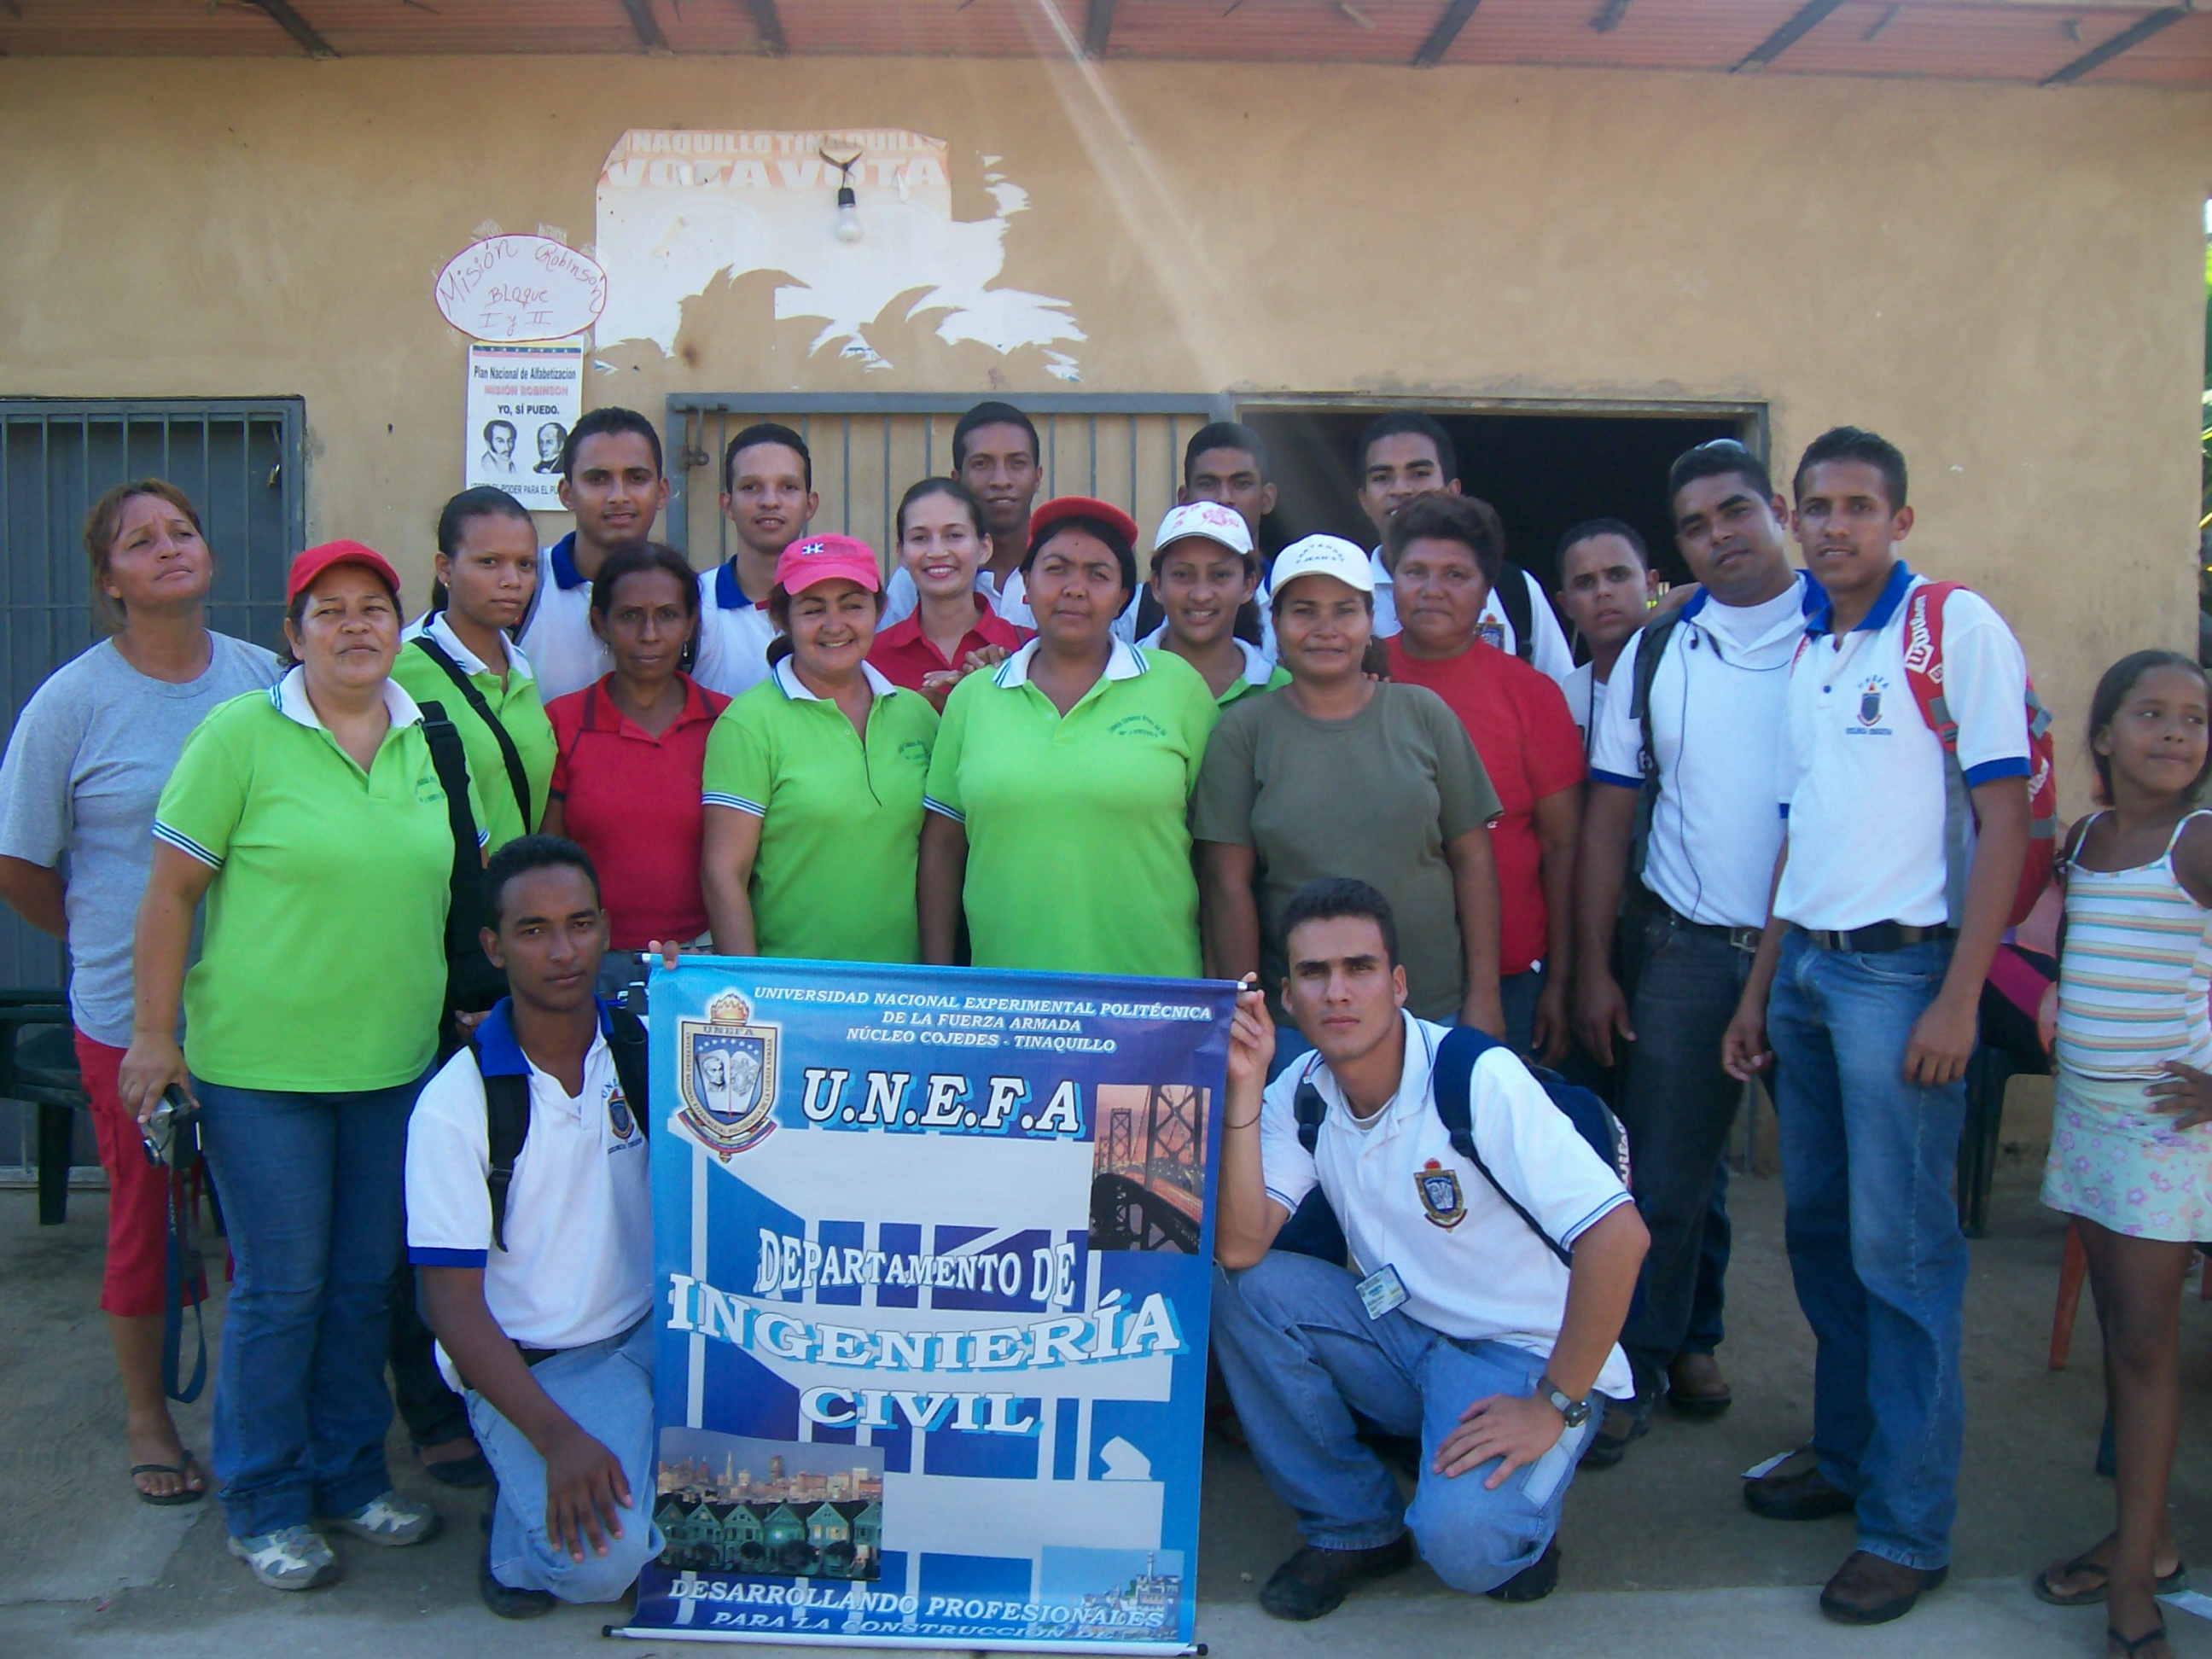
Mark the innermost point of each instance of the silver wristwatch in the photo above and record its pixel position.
(1573, 1413)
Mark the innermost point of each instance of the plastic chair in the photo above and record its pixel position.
(38, 1066)
(2010, 1047)
(2073, 1272)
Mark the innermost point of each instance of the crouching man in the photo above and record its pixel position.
(1457, 1323)
(536, 1260)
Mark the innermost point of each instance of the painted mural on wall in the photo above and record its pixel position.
(679, 210)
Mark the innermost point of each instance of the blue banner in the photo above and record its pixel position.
(934, 1257)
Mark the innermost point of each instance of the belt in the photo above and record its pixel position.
(1742, 938)
(1874, 939)
(534, 1357)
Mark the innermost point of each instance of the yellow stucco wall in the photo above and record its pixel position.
(2004, 281)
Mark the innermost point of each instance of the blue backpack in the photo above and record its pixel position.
(1450, 1079)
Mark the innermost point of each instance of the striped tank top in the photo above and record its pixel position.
(2137, 968)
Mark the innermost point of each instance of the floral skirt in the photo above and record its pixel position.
(2120, 1164)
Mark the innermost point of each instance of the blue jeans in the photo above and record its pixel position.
(1868, 1162)
(312, 1191)
(1676, 1103)
(1302, 1357)
(607, 1389)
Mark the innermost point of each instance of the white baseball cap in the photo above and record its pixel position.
(1208, 521)
(1322, 555)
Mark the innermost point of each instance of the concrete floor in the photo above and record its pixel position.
(1661, 1555)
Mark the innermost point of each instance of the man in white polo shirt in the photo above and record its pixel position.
(1458, 1324)
(1703, 869)
(540, 1295)
(1876, 972)
(1405, 453)
(769, 499)
(611, 480)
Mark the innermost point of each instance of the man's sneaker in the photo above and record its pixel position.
(391, 1520)
(1314, 1581)
(506, 1600)
(289, 1558)
(1534, 1582)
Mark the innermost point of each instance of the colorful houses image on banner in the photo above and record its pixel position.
(933, 1263)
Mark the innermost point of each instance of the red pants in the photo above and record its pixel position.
(135, 1282)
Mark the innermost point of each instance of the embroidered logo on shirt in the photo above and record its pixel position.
(914, 750)
(1138, 725)
(619, 1115)
(1868, 722)
(1492, 632)
(1440, 1197)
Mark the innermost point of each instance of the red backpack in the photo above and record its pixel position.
(1924, 668)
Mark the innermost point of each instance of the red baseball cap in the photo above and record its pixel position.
(316, 560)
(812, 559)
(1082, 507)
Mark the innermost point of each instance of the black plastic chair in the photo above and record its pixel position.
(38, 1066)
(2010, 1047)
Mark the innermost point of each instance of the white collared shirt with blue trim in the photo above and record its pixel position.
(1863, 778)
(734, 635)
(565, 653)
(578, 1265)
(1471, 1268)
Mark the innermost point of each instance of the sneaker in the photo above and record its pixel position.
(391, 1520)
(1313, 1582)
(289, 1558)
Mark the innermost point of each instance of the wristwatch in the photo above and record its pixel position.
(1573, 1413)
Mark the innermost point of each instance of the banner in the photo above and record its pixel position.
(933, 1258)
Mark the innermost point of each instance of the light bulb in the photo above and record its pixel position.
(848, 215)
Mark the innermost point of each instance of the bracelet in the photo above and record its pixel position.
(1246, 1124)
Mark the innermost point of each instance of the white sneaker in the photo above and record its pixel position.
(391, 1520)
(289, 1558)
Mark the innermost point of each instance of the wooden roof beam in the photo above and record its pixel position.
(647, 26)
(2126, 40)
(1807, 19)
(1449, 22)
(280, 13)
(1097, 25)
(768, 23)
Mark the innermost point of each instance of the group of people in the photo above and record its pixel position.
(1371, 784)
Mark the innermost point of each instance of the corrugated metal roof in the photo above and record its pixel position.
(2017, 40)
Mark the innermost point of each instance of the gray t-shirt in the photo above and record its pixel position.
(1374, 796)
(85, 766)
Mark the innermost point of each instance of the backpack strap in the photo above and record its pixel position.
(506, 1075)
(1649, 650)
(1923, 674)
(1512, 589)
(518, 777)
(1451, 1078)
(628, 1041)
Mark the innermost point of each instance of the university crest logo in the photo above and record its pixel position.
(1870, 703)
(725, 1071)
(1440, 1197)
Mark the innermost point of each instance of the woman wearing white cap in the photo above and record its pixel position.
(1205, 571)
(1339, 774)
(813, 778)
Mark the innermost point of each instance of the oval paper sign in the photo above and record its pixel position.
(521, 287)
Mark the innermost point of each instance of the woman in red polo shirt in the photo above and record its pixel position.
(1447, 551)
(942, 544)
(632, 750)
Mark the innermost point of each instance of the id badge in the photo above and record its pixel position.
(1382, 1291)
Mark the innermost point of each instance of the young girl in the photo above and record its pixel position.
(2131, 1157)
(942, 544)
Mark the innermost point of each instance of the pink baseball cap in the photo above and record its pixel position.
(316, 560)
(812, 559)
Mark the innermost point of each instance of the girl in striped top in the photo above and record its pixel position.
(2130, 1150)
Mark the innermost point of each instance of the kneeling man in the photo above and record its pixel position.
(538, 1284)
(1457, 1322)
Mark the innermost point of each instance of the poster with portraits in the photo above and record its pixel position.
(934, 1257)
(522, 399)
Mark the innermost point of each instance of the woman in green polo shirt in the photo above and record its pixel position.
(460, 657)
(311, 820)
(814, 777)
(1060, 785)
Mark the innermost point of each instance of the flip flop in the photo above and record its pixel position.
(2040, 1584)
(181, 1469)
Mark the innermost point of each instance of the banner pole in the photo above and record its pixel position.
(926, 1645)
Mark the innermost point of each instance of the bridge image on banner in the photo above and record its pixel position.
(934, 1257)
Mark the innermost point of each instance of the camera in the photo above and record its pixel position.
(170, 1132)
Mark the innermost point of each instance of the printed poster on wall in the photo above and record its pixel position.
(934, 1255)
(522, 399)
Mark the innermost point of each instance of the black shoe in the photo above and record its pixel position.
(1869, 1590)
(505, 1599)
(1314, 1581)
(462, 1472)
(1805, 1495)
(1534, 1582)
(1621, 1424)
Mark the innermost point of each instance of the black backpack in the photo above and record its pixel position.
(1450, 1086)
(1656, 636)
(472, 984)
(1512, 591)
(507, 1106)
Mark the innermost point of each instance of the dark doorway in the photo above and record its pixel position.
(1543, 472)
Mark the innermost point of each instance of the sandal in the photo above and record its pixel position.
(2040, 1584)
(2114, 1642)
(182, 1469)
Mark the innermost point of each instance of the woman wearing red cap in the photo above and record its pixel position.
(629, 751)
(311, 820)
(1060, 783)
(814, 778)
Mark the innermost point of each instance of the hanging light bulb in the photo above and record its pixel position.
(848, 215)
